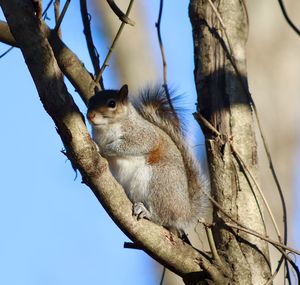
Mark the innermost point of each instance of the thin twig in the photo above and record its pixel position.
(6, 52)
(105, 63)
(163, 55)
(94, 55)
(246, 168)
(287, 18)
(266, 238)
(212, 245)
(46, 9)
(292, 263)
(57, 13)
(124, 18)
(278, 186)
(276, 271)
(216, 204)
(62, 15)
(161, 46)
(205, 123)
(209, 126)
(212, 5)
(162, 276)
(279, 246)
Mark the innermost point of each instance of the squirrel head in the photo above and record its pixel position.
(108, 107)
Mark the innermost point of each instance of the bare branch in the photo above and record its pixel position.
(86, 19)
(57, 14)
(247, 170)
(161, 46)
(106, 60)
(46, 9)
(68, 62)
(162, 276)
(62, 15)
(6, 36)
(212, 246)
(124, 18)
(279, 246)
(276, 271)
(287, 18)
(163, 56)
(273, 242)
(6, 52)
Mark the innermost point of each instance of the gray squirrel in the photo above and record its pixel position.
(147, 154)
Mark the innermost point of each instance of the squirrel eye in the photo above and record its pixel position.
(111, 103)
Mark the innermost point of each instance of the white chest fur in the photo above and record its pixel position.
(133, 174)
(106, 134)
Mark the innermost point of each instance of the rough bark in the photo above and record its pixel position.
(222, 101)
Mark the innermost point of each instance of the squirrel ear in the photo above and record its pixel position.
(124, 92)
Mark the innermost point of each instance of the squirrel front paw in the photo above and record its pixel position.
(140, 211)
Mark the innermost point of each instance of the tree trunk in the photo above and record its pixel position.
(223, 100)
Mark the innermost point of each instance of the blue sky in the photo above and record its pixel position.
(53, 230)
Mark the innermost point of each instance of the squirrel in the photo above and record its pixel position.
(147, 154)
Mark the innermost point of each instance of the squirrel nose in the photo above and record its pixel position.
(91, 115)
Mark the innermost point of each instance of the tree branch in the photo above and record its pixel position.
(61, 16)
(68, 62)
(287, 18)
(57, 14)
(163, 55)
(89, 39)
(106, 60)
(123, 17)
(6, 36)
(166, 248)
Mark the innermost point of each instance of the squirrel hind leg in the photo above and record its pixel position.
(140, 211)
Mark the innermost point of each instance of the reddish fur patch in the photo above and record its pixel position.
(155, 155)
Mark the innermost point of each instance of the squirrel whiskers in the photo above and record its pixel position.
(148, 156)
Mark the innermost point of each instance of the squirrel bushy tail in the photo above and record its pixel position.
(154, 106)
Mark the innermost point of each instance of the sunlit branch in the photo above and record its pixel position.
(123, 17)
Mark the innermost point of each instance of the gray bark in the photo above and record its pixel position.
(223, 102)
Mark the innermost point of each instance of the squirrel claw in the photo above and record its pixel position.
(140, 211)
